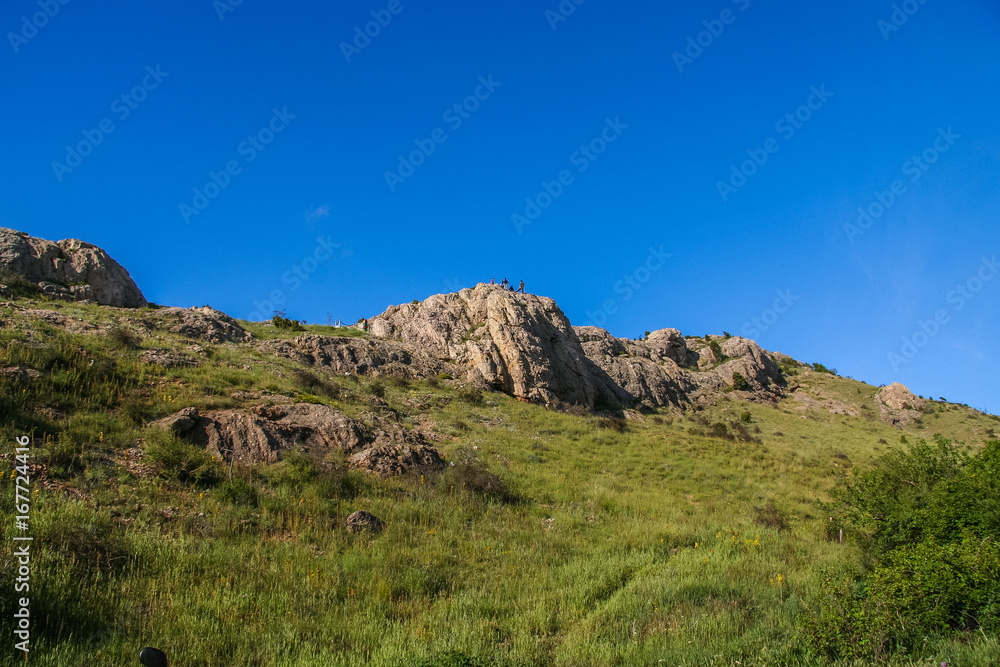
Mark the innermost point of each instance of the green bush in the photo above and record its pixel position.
(716, 349)
(181, 460)
(284, 323)
(928, 520)
(740, 383)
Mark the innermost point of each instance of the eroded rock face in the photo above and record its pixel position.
(263, 433)
(70, 269)
(520, 344)
(524, 346)
(205, 323)
(662, 371)
(898, 405)
(362, 356)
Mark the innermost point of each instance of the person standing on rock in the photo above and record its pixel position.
(504, 283)
(521, 288)
(493, 281)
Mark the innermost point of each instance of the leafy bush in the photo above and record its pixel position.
(716, 349)
(315, 384)
(181, 460)
(740, 383)
(613, 424)
(820, 368)
(471, 474)
(120, 337)
(472, 396)
(770, 516)
(746, 417)
(19, 285)
(236, 492)
(928, 520)
(282, 322)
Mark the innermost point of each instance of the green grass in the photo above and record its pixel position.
(611, 548)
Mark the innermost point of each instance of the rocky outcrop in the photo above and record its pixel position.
(663, 371)
(520, 344)
(362, 522)
(898, 406)
(263, 433)
(69, 269)
(362, 356)
(205, 323)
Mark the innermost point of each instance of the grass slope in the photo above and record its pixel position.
(641, 543)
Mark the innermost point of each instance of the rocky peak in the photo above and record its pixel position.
(69, 268)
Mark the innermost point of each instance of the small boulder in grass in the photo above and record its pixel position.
(362, 521)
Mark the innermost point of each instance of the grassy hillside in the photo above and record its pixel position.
(692, 538)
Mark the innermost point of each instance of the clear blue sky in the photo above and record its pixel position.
(309, 129)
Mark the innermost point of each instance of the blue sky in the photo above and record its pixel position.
(692, 167)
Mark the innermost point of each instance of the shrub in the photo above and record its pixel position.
(377, 389)
(746, 417)
(740, 383)
(282, 322)
(473, 475)
(770, 516)
(315, 384)
(472, 396)
(613, 424)
(19, 285)
(120, 337)
(927, 519)
(236, 492)
(820, 368)
(181, 460)
(716, 349)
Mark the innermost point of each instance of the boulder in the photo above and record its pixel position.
(69, 269)
(898, 406)
(361, 356)
(390, 460)
(361, 522)
(263, 433)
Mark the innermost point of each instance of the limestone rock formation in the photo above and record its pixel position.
(898, 406)
(263, 433)
(70, 269)
(664, 371)
(205, 323)
(520, 344)
(362, 356)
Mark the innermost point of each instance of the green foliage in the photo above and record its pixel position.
(181, 460)
(929, 521)
(746, 417)
(236, 492)
(121, 338)
(716, 349)
(19, 285)
(740, 383)
(282, 322)
(820, 368)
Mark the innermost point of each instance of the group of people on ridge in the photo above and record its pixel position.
(508, 285)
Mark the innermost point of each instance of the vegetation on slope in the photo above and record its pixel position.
(555, 539)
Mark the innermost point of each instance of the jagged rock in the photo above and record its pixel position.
(362, 356)
(19, 373)
(205, 323)
(262, 433)
(69, 269)
(520, 344)
(393, 459)
(179, 422)
(649, 371)
(898, 405)
(362, 521)
(166, 358)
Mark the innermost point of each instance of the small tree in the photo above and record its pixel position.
(740, 383)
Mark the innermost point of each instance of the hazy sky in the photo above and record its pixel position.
(646, 165)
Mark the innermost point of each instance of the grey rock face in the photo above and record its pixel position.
(72, 268)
